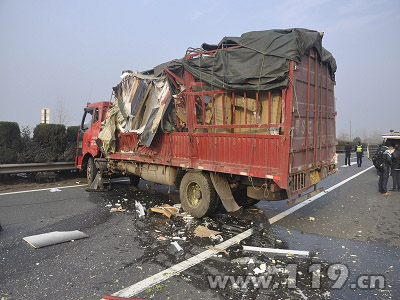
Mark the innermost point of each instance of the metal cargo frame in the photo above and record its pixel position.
(301, 155)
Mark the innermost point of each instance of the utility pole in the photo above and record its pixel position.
(350, 131)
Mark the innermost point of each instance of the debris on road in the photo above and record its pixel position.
(202, 231)
(166, 210)
(277, 251)
(52, 238)
(110, 297)
(139, 208)
(243, 260)
(179, 238)
(216, 237)
(117, 209)
(53, 190)
(177, 246)
(301, 294)
(217, 249)
(254, 210)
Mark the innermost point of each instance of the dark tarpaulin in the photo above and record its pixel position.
(262, 63)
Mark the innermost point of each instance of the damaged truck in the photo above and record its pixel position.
(251, 118)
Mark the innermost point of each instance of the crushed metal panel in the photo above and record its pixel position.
(138, 97)
(141, 102)
(156, 116)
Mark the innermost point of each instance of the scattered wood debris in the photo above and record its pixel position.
(167, 210)
(202, 231)
(117, 209)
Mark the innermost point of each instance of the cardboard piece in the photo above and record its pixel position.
(251, 112)
(219, 115)
(166, 210)
(202, 231)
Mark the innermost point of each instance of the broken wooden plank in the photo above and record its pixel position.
(166, 210)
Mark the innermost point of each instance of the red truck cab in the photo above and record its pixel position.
(87, 148)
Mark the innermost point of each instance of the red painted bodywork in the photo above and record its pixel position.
(89, 146)
(307, 141)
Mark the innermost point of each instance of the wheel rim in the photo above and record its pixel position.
(194, 194)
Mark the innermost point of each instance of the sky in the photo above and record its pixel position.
(72, 52)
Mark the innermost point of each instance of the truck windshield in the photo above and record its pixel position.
(87, 120)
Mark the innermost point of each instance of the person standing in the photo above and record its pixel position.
(396, 168)
(384, 172)
(360, 153)
(347, 148)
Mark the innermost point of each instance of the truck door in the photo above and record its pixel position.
(85, 131)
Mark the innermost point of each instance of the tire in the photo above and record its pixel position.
(242, 199)
(197, 194)
(91, 170)
(134, 180)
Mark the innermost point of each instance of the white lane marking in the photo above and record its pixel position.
(352, 163)
(178, 268)
(308, 201)
(182, 266)
(44, 189)
(59, 187)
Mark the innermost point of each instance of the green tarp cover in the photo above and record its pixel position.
(262, 63)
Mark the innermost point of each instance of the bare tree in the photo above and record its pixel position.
(62, 115)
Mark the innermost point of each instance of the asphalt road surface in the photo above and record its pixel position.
(352, 234)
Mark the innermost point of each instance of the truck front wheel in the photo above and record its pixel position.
(197, 193)
(91, 170)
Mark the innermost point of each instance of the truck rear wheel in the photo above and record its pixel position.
(91, 170)
(197, 193)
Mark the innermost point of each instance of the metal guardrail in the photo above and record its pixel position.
(36, 167)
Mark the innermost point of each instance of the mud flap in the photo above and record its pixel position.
(98, 184)
(304, 197)
(223, 189)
